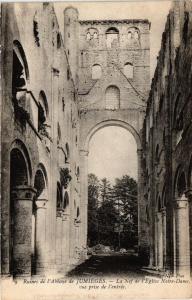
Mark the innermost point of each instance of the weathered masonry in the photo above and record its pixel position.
(56, 94)
(41, 209)
(55, 97)
(113, 87)
(167, 146)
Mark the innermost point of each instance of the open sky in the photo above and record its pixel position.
(112, 150)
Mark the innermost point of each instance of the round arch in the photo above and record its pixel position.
(180, 183)
(18, 146)
(17, 47)
(108, 123)
(41, 181)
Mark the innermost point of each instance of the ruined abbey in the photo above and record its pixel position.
(56, 94)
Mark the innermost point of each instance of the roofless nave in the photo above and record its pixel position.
(56, 95)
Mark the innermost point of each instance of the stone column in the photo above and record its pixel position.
(22, 230)
(77, 248)
(59, 239)
(160, 241)
(143, 238)
(182, 236)
(84, 197)
(156, 239)
(189, 197)
(164, 230)
(40, 235)
(65, 241)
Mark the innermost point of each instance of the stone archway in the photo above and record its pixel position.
(21, 199)
(84, 177)
(39, 220)
(107, 123)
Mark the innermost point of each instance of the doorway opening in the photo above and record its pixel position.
(112, 192)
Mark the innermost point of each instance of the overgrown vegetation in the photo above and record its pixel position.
(112, 212)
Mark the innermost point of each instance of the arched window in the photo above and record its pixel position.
(128, 70)
(136, 35)
(20, 71)
(88, 36)
(92, 33)
(43, 111)
(18, 169)
(19, 176)
(112, 97)
(129, 35)
(67, 153)
(96, 71)
(95, 35)
(112, 37)
(133, 34)
(181, 184)
(39, 183)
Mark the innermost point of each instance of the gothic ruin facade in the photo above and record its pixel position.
(56, 94)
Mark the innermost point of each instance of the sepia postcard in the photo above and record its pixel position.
(96, 150)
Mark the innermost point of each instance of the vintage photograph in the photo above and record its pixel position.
(96, 150)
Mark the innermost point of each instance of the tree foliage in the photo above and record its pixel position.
(93, 195)
(111, 208)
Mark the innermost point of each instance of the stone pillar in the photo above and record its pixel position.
(77, 247)
(189, 196)
(22, 230)
(182, 236)
(156, 239)
(160, 241)
(59, 239)
(65, 241)
(143, 238)
(84, 197)
(164, 230)
(40, 235)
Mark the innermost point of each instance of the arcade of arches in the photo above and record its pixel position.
(55, 96)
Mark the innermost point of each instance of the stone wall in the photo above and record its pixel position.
(40, 120)
(115, 92)
(166, 141)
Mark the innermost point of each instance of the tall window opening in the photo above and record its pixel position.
(112, 37)
(20, 72)
(133, 34)
(96, 71)
(128, 70)
(112, 97)
(42, 111)
(112, 190)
